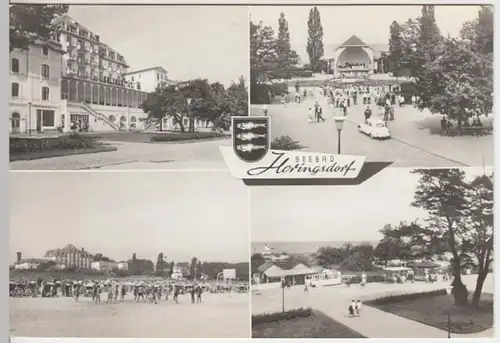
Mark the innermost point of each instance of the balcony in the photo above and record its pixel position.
(71, 72)
(71, 57)
(83, 75)
(82, 47)
(84, 61)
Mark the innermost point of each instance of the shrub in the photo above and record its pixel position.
(279, 316)
(389, 299)
(70, 142)
(186, 136)
(259, 93)
(285, 143)
(278, 89)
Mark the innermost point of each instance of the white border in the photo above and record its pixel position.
(4, 131)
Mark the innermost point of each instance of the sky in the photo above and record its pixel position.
(182, 214)
(340, 213)
(189, 42)
(370, 23)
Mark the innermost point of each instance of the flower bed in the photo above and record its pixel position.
(30, 148)
(187, 136)
(278, 316)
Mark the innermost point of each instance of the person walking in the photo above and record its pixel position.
(264, 109)
(310, 115)
(358, 308)
(352, 308)
(368, 112)
(318, 112)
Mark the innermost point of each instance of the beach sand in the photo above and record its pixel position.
(219, 316)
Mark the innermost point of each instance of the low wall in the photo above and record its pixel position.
(265, 286)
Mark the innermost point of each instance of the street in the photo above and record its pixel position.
(415, 141)
(144, 156)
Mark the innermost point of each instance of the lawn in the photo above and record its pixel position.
(318, 325)
(433, 311)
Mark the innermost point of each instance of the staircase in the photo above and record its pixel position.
(99, 116)
(151, 124)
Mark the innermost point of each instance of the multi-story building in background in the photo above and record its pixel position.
(149, 79)
(107, 266)
(70, 257)
(94, 92)
(35, 87)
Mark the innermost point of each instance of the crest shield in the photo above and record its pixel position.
(251, 136)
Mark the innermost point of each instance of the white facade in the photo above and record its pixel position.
(108, 266)
(27, 265)
(149, 79)
(35, 88)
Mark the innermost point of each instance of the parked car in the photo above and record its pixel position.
(375, 128)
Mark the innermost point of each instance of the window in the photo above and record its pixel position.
(45, 93)
(138, 85)
(15, 90)
(45, 71)
(157, 77)
(132, 79)
(48, 117)
(15, 65)
(45, 51)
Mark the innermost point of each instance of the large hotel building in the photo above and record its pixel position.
(75, 78)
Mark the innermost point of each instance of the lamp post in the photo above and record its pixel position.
(29, 118)
(339, 123)
(283, 295)
(448, 292)
(189, 111)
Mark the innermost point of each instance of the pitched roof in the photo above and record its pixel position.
(354, 41)
(147, 69)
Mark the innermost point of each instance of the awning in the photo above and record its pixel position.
(291, 272)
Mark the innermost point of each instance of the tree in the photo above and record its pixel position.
(315, 48)
(329, 256)
(263, 53)
(172, 265)
(287, 57)
(192, 268)
(429, 31)
(443, 193)
(29, 22)
(209, 101)
(478, 239)
(458, 83)
(479, 33)
(199, 270)
(256, 260)
(395, 46)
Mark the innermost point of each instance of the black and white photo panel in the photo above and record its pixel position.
(128, 255)
(406, 254)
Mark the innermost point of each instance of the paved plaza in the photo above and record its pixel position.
(220, 316)
(415, 141)
(373, 323)
(132, 155)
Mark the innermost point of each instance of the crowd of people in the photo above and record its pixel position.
(116, 290)
(353, 65)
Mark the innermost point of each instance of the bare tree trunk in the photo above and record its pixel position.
(481, 277)
(460, 293)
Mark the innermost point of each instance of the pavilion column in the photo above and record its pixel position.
(84, 92)
(105, 91)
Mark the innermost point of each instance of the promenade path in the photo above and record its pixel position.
(415, 140)
(131, 155)
(373, 323)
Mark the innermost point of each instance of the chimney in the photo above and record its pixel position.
(83, 250)
(19, 257)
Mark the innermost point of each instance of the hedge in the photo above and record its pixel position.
(281, 316)
(259, 93)
(385, 300)
(285, 143)
(278, 89)
(369, 278)
(187, 136)
(32, 144)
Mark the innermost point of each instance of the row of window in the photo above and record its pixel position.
(15, 91)
(44, 68)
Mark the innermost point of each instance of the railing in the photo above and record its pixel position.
(99, 116)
